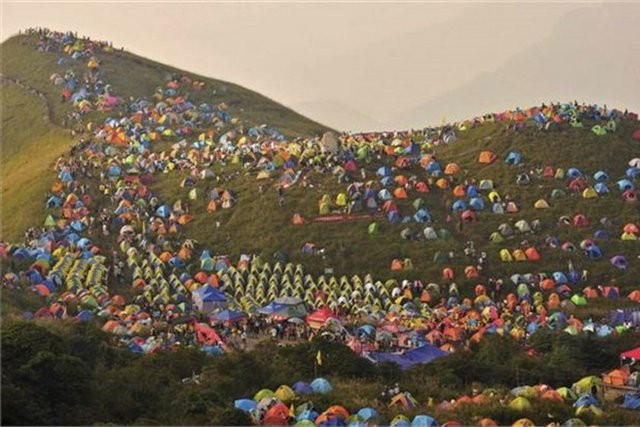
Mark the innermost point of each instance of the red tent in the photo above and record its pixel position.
(318, 318)
(631, 354)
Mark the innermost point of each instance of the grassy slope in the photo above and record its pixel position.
(130, 75)
(256, 224)
(29, 146)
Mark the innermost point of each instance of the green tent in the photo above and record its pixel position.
(444, 234)
(373, 228)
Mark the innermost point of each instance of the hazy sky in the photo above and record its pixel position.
(349, 65)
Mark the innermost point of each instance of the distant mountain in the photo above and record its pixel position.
(554, 70)
(337, 114)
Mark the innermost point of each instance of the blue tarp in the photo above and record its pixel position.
(424, 354)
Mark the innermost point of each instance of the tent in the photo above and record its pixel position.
(633, 354)
(486, 157)
(320, 385)
(423, 354)
(208, 298)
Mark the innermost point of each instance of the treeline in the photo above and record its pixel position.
(71, 373)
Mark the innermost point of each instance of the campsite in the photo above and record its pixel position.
(186, 254)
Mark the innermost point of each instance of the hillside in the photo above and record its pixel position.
(191, 232)
(30, 144)
(134, 76)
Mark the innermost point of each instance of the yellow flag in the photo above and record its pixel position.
(319, 358)
(292, 412)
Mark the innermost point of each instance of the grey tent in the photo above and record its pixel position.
(329, 143)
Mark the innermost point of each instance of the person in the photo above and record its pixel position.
(280, 197)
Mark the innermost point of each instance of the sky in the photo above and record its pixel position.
(381, 65)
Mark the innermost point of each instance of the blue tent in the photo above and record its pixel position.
(586, 399)
(459, 205)
(229, 316)
(513, 158)
(65, 176)
(631, 401)
(302, 388)
(594, 252)
(309, 414)
(54, 202)
(601, 188)
(601, 234)
(367, 414)
(433, 167)
(625, 184)
(383, 171)
(366, 330)
(560, 278)
(424, 354)
(476, 203)
(422, 216)
(394, 217)
(163, 211)
(320, 385)
(424, 421)
(633, 172)
(245, 405)
(600, 176)
(573, 173)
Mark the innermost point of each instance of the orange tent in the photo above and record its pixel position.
(451, 169)
(554, 302)
(552, 395)
(458, 191)
(339, 411)
(397, 265)
(547, 284)
(471, 272)
(297, 219)
(401, 180)
(448, 274)
(184, 219)
(532, 254)
(400, 193)
(590, 292)
(635, 296)
(486, 157)
(442, 183)
(616, 377)
(480, 289)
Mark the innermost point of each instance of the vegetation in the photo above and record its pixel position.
(30, 145)
(69, 373)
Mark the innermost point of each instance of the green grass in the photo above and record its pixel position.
(257, 225)
(30, 146)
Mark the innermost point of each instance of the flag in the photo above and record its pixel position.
(319, 358)
(292, 412)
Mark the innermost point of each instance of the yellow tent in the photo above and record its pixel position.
(505, 256)
(541, 204)
(589, 193)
